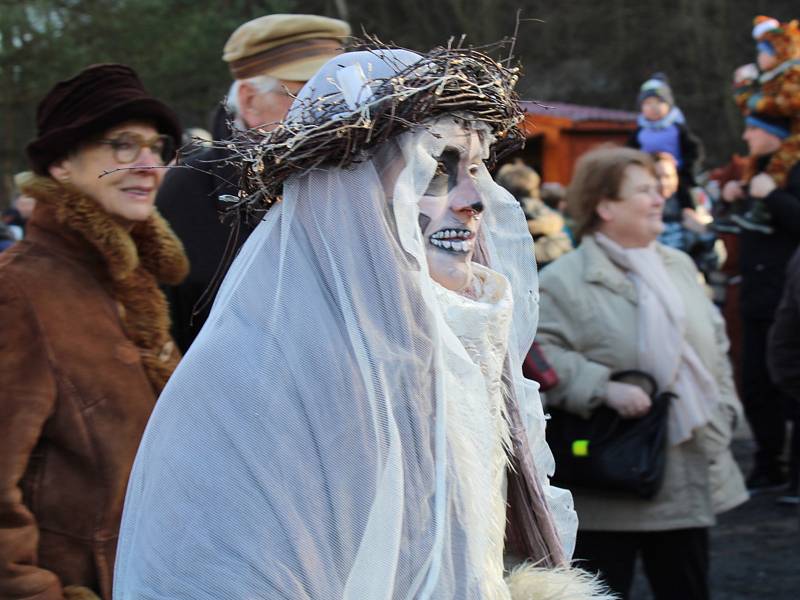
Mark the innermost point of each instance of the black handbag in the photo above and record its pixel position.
(606, 452)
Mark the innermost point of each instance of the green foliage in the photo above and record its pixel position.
(582, 51)
(174, 45)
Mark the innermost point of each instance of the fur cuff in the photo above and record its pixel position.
(78, 592)
(527, 582)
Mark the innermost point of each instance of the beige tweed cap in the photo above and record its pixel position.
(288, 47)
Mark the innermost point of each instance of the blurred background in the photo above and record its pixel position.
(591, 52)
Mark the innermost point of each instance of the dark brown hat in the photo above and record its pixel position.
(96, 99)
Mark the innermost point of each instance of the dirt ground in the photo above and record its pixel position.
(755, 548)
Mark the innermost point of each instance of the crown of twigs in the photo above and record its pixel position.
(326, 131)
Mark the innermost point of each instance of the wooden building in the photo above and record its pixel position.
(558, 133)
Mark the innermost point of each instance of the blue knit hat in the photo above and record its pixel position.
(657, 86)
(777, 126)
(767, 47)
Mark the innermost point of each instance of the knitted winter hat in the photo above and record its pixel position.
(783, 39)
(778, 126)
(90, 103)
(657, 86)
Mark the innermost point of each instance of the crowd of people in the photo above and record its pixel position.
(287, 362)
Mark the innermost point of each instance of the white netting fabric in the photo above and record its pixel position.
(301, 449)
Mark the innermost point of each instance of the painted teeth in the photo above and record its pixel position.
(450, 234)
(464, 246)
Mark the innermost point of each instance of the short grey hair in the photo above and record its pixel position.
(262, 84)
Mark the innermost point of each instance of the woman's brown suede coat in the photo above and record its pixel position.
(85, 350)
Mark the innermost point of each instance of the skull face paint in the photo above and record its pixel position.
(451, 208)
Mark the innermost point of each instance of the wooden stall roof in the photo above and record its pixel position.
(558, 133)
(578, 113)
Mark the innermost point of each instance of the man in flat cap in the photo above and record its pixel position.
(270, 59)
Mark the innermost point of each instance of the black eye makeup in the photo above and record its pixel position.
(445, 178)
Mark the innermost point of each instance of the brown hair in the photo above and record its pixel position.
(598, 175)
(519, 179)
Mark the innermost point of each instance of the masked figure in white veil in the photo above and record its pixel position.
(352, 421)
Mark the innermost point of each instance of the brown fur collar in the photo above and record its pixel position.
(78, 592)
(136, 260)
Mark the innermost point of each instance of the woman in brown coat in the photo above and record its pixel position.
(85, 339)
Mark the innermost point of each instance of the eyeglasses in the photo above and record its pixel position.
(127, 147)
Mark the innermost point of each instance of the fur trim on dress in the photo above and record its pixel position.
(78, 592)
(528, 582)
(137, 260)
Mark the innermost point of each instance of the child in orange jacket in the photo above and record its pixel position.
(773, 89)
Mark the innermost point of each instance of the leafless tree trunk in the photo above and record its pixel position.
(342, 9)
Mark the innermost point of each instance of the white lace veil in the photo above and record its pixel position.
(301, 449)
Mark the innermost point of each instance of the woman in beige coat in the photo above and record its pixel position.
(623, 301)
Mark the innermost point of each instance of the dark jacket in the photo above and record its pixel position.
(763, 257)
(75, 395)
(7, 238)
(783, 350)
(189, 201)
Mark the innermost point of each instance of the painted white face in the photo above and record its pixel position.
(451, 208)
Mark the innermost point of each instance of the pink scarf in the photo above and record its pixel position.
(663, 350)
